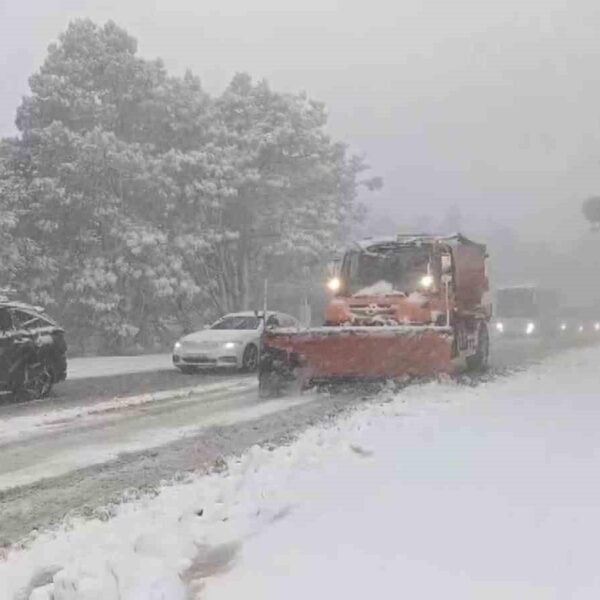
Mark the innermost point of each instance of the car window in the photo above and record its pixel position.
(29, 321)
(237, 322)
(5, 320)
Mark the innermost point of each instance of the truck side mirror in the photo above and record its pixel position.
(446, 264)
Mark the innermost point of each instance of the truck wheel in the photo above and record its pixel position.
(268, 385)
(479, 362)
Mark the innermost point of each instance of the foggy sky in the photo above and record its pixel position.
(488, 106)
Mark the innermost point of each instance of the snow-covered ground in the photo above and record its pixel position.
(12, 429)
(47, 445)
(442, 491)
(109, 366)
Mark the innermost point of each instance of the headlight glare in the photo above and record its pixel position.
(427, 281)
(530, 328)
(334, 284)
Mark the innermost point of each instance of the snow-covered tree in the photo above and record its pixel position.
(294, 189)
(132, 198)
(92, 193)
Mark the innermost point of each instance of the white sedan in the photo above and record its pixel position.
(232, 341)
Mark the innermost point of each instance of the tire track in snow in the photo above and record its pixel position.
(139, 428)
(16, 428)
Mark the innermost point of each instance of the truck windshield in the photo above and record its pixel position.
(390, 270)
(516, 303)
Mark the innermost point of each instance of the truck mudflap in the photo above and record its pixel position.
(295, 360)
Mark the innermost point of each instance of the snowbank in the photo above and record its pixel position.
(443, 491)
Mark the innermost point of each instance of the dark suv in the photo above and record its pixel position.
(32, 351)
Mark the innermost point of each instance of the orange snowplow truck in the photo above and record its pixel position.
(405, 307)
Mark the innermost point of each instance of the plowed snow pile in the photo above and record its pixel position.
(443, 491)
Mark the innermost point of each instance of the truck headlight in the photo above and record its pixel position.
(334, 284)
(500, 327)
(530, 328)
(426, 281)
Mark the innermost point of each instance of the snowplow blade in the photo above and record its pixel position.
(302, 358)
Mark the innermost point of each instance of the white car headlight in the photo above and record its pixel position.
(500, 327)
(563, 326)
(530, 328)
(177, 346)
(231, 345)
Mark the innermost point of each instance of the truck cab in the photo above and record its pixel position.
(411, 280)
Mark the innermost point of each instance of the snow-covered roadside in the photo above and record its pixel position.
(483, 492)
(66, 460)
(15, 428)
(109, 366)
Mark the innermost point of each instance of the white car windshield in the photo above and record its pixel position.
(237, 322)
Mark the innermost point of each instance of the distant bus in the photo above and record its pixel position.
(527, 311)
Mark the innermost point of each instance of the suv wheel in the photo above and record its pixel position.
(37, 381)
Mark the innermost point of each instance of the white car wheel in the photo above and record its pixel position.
(250, 358)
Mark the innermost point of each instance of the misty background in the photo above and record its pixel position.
(478, 115)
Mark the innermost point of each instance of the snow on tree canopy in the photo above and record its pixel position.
(132, 197)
